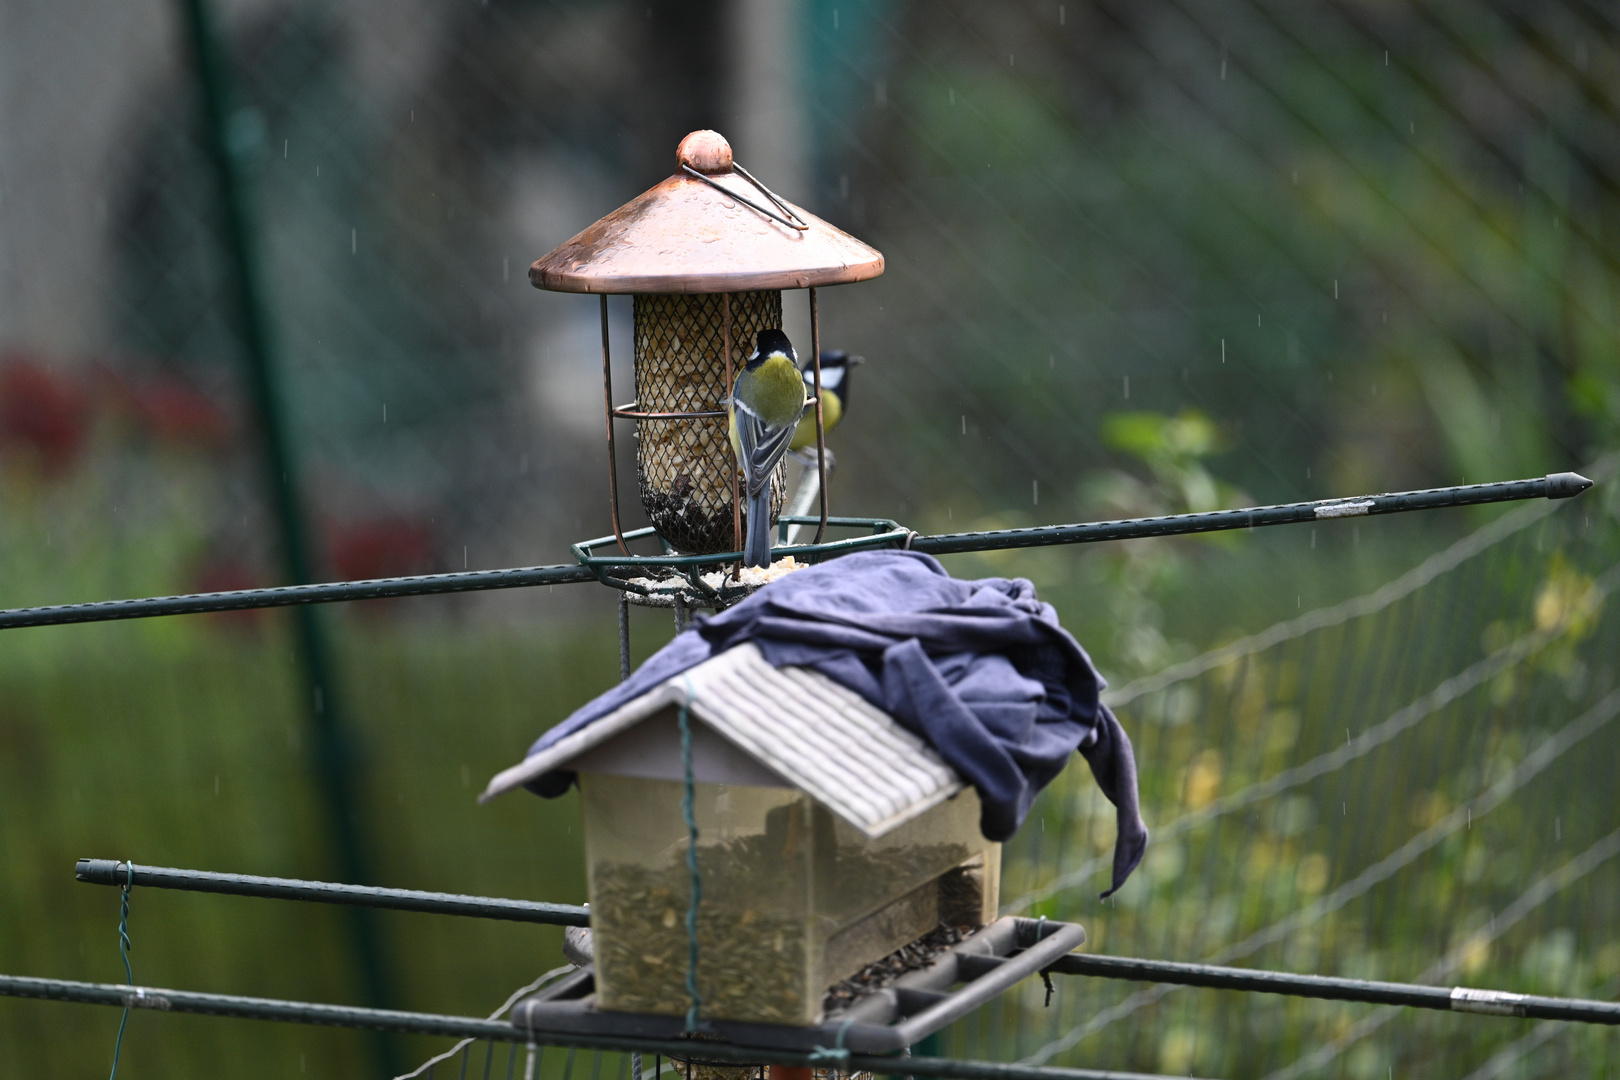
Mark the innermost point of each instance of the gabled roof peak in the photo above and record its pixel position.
(816, 735)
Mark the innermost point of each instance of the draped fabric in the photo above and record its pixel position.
(981, 670)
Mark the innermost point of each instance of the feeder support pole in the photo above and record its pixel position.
(624, 636)
(821, 431)
(736, 494)
(607, 404)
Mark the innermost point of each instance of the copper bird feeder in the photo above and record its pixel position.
(706, 255)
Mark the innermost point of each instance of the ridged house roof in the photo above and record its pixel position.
(800, 726)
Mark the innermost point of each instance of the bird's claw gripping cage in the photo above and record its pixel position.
(706, 263)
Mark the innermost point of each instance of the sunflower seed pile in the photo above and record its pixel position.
(880, 973)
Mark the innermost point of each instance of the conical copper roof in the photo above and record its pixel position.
(684, 236)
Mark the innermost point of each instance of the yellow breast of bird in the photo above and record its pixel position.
(778, 392)
(832, 410)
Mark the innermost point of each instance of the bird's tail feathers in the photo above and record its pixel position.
(757, 549)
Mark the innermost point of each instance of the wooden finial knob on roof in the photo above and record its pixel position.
(706, 151)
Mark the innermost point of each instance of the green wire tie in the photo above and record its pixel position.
(837, 1055)
(123, 951)
(687, 800)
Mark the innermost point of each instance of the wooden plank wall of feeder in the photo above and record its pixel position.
(683, 466)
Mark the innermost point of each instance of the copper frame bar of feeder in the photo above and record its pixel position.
(821, 430)
(629, 411)
(607, 403)
(736, 466)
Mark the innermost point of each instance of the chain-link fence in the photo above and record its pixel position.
(1459, 719)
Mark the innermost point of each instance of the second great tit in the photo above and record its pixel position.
(766, 405)
(835, 365)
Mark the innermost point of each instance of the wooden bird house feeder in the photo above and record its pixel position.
(706, 255)
(828, 836)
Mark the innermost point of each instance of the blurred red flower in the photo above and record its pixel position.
(42, 412)
(381, 547)
(172, 411)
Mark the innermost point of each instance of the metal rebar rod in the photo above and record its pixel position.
(1446, 998)
(460, 1027)
(288, 595)
(1556, 486)
(1451, 999)
(113, 872)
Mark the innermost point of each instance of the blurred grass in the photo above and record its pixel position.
(178, 743)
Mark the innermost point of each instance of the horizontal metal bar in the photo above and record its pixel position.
(112, 872)
(289, 595)
(884, 534)
(830, 549)
(876, 526)
(1555, 486)
(463, 1027)
(630, 412)
(1446, 998)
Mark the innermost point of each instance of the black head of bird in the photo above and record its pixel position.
(767, 344)
(835, 373)
(835, 365)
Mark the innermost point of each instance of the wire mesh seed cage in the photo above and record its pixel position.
(706, 254)
(683, 467)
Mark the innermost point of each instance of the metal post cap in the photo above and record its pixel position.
(1562, 485)
(706, 151)
(99, 871)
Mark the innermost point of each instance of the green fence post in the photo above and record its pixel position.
(337, 771)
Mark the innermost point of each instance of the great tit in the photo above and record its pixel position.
(765, 405)
(835, 365)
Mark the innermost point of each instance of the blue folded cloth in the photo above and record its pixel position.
(981, 670)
